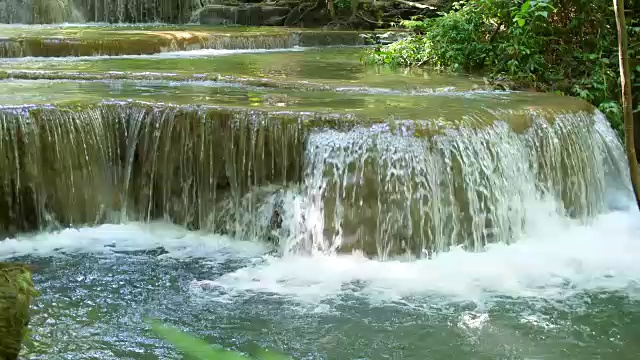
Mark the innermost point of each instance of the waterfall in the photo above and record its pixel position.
(307, 182)
(400, 192)
(112, 11)
(39, 12)
(147, 43)
(113, 162)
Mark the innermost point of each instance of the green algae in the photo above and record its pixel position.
(16, 292)
(329, 68)
(98, 31)
(452, 108)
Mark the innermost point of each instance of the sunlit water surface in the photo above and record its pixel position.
(567, 291)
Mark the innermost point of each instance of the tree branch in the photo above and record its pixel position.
(415, 4)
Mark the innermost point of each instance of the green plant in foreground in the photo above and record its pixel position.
(200, 349)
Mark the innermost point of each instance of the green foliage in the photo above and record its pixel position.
(199, 349)
(342, 4)
(550, 45)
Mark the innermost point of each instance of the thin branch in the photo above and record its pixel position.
(415, 4)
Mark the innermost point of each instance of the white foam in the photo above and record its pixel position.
(87, 24)
(162, 55)
(177, 241)
(556, 259)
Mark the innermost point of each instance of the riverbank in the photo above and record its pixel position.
(570, 48)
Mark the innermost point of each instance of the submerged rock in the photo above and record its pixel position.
(16, 293)
(384, 38)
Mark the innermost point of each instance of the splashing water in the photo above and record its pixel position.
(386, 193)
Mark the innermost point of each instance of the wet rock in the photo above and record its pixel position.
(16, 293)
(245, 14)
(308, 18)
(384, 38)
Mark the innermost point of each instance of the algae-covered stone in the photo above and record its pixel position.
(16, 292)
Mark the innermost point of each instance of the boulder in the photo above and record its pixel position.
(308, 18)
(243, 14)
(16, 293)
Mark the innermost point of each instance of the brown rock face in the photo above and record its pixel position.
(245, 14)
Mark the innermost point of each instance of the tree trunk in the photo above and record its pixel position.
(332, 9)
(625, 81)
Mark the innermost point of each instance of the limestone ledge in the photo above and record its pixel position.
(61, 42)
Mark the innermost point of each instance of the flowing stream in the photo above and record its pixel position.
(289, 197)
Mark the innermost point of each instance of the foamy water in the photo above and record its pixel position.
(556, 259)
(176, 241)
(162, 55)
(87, 24)
(561, 259)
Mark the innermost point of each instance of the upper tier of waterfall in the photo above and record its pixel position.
(96, 39)
(114, 11)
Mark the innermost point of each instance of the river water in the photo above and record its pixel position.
(567, 291)
(558, 285)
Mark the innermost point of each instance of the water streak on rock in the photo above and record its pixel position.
(113, 162)
(401, 193)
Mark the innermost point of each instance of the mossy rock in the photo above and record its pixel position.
(16, 293)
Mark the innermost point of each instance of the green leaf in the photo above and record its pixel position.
(544, 14)
(191, 345)
(268, 355)
(521, 22)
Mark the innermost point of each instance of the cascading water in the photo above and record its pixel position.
(112, 11)
(39, 12)
(384, 189)
(406, 192)
(110, 162)
(101, 41)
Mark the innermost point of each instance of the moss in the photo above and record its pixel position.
(16, 293)
(474, 109)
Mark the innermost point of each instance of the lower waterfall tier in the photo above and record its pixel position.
(323, 180)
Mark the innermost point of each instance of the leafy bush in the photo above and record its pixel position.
(550, 45)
